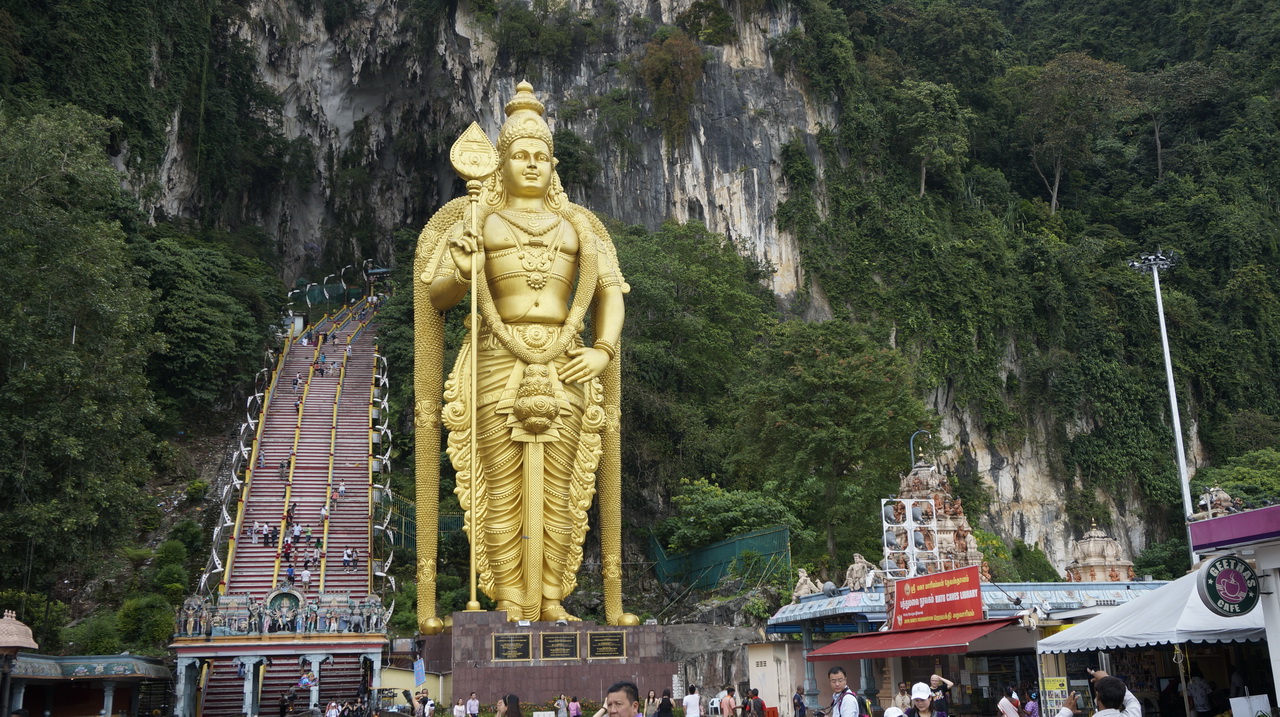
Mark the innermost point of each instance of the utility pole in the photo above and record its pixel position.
(1152, 264)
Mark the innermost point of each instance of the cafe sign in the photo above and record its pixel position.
(1227, 586)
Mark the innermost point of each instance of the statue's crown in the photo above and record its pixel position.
(524, 119)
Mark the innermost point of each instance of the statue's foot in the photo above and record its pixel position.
(628, 619)
(552, 610)
(512, 609)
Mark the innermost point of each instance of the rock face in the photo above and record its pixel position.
(380, 96)
(710, 656)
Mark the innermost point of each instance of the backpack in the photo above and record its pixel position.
(861, 711)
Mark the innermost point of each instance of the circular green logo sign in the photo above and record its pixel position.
(1228, 586)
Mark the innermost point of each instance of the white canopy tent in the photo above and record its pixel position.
(1169, 615)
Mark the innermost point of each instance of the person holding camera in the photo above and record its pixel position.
(1113, 697)
(844, 702)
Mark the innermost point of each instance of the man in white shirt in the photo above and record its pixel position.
(692, 703)
(844, 702)
(473, 706)
(1114, 699)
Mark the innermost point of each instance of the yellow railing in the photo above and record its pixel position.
(368, 464)
(293, 464)
(328, 483)
(268, 393)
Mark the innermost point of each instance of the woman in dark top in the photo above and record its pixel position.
(664, 705)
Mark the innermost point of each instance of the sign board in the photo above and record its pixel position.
(512, 646)
(419, 672)
(1251, 706)
(1053, 693)
(606, 645)
(938, 599)
(559, 645)
(1227, 586)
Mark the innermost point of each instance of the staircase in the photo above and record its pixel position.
(224, 688)
(311, 464)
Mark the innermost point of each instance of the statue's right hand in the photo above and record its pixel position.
(462, 248)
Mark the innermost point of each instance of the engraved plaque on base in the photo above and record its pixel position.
(559, 645)
(512, 646)
(606, 645)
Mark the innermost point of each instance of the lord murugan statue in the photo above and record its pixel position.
(532, 411)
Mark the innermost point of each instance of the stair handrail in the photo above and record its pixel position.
(293, 464)
(215, 564)
(328, 488)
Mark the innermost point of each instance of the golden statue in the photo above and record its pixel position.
(545, 406)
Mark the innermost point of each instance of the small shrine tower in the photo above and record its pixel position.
(1096, 557)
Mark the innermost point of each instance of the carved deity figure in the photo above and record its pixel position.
(855, 577)
(804, 586)
(546, 403)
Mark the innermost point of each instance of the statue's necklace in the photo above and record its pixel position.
(536, 258)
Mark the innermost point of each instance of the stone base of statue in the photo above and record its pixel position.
(538, 661)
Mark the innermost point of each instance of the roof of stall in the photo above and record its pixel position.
(1173, 614)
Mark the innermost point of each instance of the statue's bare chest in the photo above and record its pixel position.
(531, 247)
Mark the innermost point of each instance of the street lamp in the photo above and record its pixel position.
(1152, 264)
(324, 286)
(13, 636)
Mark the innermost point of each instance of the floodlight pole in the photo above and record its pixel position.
(1154, 263)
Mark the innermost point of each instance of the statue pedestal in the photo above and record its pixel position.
(539, 661)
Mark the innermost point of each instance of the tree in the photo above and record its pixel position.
(695, 309)
(77, 332)
(1169, 91)
(1070, 102)
(706, 513)
(205, 296)
(947, 42)
(1253, 477)
(937, 125)
(672, 68)
(823, 420)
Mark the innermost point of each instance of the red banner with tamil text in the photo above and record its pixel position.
(938, 599)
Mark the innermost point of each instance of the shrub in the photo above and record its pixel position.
(197, 489)
(169, 576)
(146, 622)
(671, 69)
(97, 635)
(708, 21)
(578, 167)
(171, 552)
(188, 533)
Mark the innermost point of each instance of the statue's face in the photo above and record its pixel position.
(526, 171)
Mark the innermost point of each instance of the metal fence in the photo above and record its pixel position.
(402, 526)
(758, 554)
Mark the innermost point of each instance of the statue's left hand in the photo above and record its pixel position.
(586, 364)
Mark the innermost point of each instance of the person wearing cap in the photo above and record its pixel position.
(922, 702)
(844, 703)
(893, 712)
(1114, 699)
